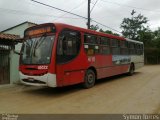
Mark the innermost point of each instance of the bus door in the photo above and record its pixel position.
(68, 48)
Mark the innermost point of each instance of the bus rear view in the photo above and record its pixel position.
(36, 56)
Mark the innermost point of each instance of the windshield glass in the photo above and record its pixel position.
(37, 50)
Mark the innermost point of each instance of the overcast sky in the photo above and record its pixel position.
(107, 12)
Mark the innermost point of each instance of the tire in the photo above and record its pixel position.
(131, 70)
(89, 79)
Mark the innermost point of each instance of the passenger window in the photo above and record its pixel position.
(123, 47)
(116, 51)
(105, 41)
(105, 50)
(104, 45)
(91, 39)
(123, 44)
(124, 51)
(68, 46)
(91, 44)
(114, 43)
(115, 47)
(132, 48)
(139, 49)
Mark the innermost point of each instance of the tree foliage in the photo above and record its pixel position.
(157, 38)
(96, 28)
(108, 32)
(135, 26)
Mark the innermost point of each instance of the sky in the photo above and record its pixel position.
(108, 12)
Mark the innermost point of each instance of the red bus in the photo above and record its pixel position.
(56, 55)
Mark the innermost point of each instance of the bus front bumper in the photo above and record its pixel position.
(44, 80)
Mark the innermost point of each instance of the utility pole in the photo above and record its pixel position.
(89, 19)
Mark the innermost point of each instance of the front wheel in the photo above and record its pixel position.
(89, 79)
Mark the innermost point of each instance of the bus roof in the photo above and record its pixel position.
(135, 41)
(61, 25)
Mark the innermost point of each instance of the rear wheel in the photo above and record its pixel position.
(131, 70)
(89, 79)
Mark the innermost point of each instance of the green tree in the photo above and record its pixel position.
(146, 36)
(134, 26)
(157, 38)
(108, 32)
(94, 27)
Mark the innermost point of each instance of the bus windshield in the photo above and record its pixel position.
(37, 50)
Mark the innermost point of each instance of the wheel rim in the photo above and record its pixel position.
(90, 78)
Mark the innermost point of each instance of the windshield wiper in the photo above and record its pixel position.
(27, 42)
(38, 43)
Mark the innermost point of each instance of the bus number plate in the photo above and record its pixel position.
(42, 67)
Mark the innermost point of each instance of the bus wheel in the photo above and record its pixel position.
(131, 70)
(89, 79)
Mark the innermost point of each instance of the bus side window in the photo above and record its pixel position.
(91, 44)
(132, 49)
(123, 47)
(115, 47)
(105, 46)
(90, 39)
(68, 45)
(139, 49)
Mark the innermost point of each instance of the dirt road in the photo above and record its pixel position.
(139, 93)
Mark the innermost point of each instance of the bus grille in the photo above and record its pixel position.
(33, 81)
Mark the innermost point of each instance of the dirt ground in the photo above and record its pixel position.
(139, 93)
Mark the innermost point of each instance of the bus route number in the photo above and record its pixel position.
(42, 67)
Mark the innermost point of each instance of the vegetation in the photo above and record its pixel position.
(96, 28)
(136, 27)
(109, 32)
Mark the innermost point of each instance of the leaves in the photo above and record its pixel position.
(134, 25)
(94, 27)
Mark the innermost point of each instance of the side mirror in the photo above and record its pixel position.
(15, 51)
